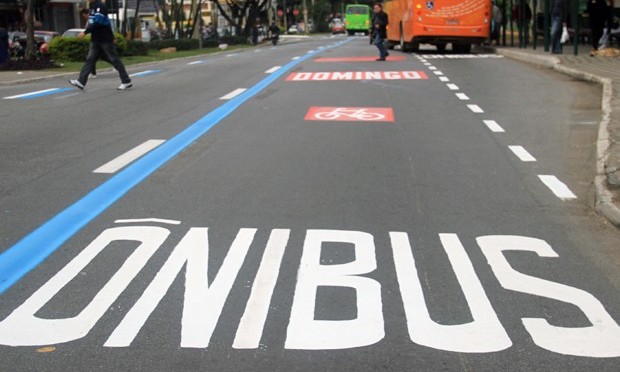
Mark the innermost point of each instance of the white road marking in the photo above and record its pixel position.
(233, 94)
(295, 58)
(231, 55)
(522, 153)
(462, 96)
(311, 51)
(493, 126)
(432, 68)
(444, 79)
(120, 162)
(257, 51)
(273, 69)
(31, 93)
(252, 323)
(476, 109)
(149, 220)
(558, 187)
(195, 63)
(437, 72)
(452, 86)
(427, 64)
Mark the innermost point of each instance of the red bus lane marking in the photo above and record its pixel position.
(359, 59)
(357, 75)
(374, 114)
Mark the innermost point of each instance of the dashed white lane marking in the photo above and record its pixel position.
(476, 109)
(444, 79)
(233, 94)
(273, 69)
(522, 153)
(432, 68)
(295, 58)
(462, 96)
(427, 64)
(257, 51)
(558, 187)
(493, 126)
(231, 55)
(195, 63)
(452, 86)
(437, 72)
(120, 162)
(311, 51)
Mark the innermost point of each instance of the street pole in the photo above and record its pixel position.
(285, 18)
(305, 10)
(546, 24)
(576, 28)
(535, 24)
(512, 27)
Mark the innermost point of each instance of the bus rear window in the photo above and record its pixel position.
(357, 10)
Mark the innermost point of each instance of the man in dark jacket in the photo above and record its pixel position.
(559, 15)
(379, 30)
(101, 44)
(600, 15)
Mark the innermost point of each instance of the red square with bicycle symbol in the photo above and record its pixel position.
(370, 114)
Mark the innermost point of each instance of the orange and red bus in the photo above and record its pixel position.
(438, 22)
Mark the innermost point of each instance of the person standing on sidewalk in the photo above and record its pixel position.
(559, 12)
(379, 30)
(101, 43)
(599, 16)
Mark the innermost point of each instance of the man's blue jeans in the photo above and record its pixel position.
(379, 43)
(556, 34)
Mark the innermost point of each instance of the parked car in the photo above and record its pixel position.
(73, 32)
(14, 36)
(292, 29)
(42, 38)
(338, 28)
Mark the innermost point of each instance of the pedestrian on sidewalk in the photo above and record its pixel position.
(559, 13)
(523, 27)
(496, 23)
(379, 30)
(4, 45)
(600, 16)
(101, 43)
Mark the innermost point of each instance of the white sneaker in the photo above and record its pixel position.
(93, 76)
(76, 83)
(125, 86)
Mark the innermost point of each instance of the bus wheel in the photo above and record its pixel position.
(415, 47)
(461, 48)
(350, 33)
(441, 47)
(389, 45)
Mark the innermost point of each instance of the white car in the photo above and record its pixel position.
(72, 32)
(292, 29)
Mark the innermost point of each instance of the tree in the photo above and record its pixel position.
(241, 14)
(31, 44)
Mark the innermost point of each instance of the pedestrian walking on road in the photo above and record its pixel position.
(600, 16)
(496, 23)
(101, 44)
(379, 30)
(559, 13)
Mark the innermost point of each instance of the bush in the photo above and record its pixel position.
(136, 48)
(233, 40)
(180, 44)
(75, 49)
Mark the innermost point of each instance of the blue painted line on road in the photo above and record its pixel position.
(144, 73)
(35, 247)
(41, 93)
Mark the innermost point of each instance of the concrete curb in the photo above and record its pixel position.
(604, 198)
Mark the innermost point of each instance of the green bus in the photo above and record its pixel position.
(357, 18)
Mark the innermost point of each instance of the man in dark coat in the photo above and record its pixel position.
(379, 30)
(600, 16)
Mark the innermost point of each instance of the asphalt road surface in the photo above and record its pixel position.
(306, 208)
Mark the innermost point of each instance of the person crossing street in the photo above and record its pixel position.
(101, 44)
(379, 30)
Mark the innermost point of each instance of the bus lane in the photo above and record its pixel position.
(351, 215)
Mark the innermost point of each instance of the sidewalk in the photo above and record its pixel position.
(604, 71)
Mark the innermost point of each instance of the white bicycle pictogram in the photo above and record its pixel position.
(357, 114)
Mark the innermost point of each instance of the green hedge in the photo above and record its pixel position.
(75, 49)
(136, 48)
(180, 44)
